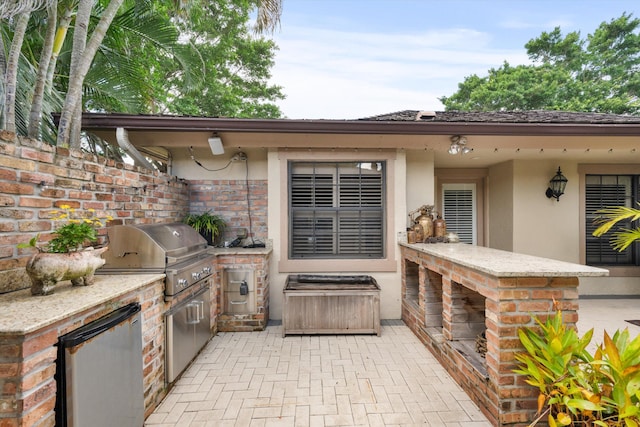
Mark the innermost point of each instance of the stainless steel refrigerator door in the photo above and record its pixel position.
(103, 374)
(188, 330)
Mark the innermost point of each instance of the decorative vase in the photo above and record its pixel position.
(47, 269)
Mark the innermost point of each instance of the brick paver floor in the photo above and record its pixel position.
(263, 379)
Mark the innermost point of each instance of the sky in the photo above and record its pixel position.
(349, 59)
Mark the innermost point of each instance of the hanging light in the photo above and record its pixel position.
(459, 145)
(557, 185)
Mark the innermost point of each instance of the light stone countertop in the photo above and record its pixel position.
(22, 313)
(500, 263)
(240, 251)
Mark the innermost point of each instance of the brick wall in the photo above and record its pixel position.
(257, 321)
(228, 198)
(509, 303)
(36, 179)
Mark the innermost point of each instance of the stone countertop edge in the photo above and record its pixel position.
(22, 313)
(499, 263)
(239, 251)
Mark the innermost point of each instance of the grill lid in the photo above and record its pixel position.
(151, 246)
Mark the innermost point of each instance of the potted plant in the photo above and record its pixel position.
(65, 256)
(209, 225)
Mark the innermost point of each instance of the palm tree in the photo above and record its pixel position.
(18, 12)
(85, 46)
(11, 8)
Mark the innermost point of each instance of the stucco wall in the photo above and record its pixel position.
(420, 186)
(522, 219)
(544, 226)
(519, 218)
(500, 197)
(390, 280)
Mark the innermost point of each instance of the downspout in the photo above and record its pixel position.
(122, 136)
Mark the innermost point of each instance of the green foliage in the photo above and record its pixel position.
(596, 74)
(575, 387)
(235, 66)
(70, 237)
(77, 231)
(154, 57)
(206, 223)
(622, 238)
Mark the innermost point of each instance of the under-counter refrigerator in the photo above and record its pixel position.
(99, 372)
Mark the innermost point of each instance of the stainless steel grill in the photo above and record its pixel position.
(175, 249)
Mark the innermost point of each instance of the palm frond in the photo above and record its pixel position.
(269, 12)
(621, 240)
(610, 216)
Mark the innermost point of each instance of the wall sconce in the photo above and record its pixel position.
(459, 145)
(557, 185)
(215, 143)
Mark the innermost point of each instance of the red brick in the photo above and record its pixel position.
(36, 378)
(514, 319)
(15, 188)
(564, 282)
(547, 294)
(43, 409)
(513, 294)
(532, 282)
(33, 202)
(535, 306)
(36, 343)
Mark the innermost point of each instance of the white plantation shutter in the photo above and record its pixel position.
(459, 210)
(336, 209)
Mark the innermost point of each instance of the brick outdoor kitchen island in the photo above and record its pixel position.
(458, 297)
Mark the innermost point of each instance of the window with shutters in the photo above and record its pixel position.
(605, 191)
(336, 210)
(459, 210)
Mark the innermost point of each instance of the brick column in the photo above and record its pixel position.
(471, 300)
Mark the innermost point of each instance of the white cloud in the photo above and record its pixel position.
(339, 74)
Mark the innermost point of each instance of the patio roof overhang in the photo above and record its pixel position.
(493, 142)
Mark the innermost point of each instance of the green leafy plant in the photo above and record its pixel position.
(609, 217)
(209, 225)
(79, 229)
(575, 387)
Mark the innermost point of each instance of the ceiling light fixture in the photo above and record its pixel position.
(459, 145)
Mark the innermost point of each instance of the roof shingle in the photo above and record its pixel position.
(534, 116)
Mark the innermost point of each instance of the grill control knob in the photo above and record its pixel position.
(206, 270)
(182, 283)
(196, 275)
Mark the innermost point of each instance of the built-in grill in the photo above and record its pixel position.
(175, 249)
(180, 252)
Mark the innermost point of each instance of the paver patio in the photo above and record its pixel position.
(263, 379)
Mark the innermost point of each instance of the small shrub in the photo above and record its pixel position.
(575, 387)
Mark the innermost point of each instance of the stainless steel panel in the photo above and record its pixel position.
(101, 376)
(151, 246)
(181, 277)
(233, 301)
(239, 304)
(188, 330)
